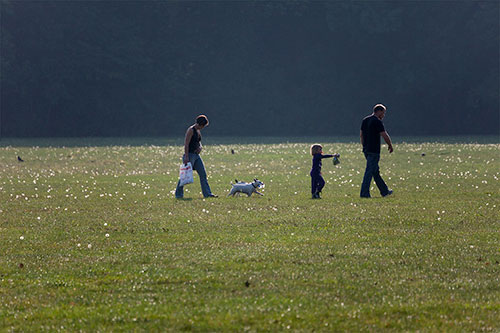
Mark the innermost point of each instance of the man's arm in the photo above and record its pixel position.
(387, 140)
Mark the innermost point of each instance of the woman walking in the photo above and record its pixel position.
(192, 149)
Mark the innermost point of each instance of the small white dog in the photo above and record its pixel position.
(247, 188)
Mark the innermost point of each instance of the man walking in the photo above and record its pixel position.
(372, 128)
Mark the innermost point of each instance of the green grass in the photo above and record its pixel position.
(92, 239)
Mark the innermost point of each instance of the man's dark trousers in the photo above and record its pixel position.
(372, 171)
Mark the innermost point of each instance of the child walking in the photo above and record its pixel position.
(317, 181)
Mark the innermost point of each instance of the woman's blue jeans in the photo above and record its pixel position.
(372, 171)
(198, 165)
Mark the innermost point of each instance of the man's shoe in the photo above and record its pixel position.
(213, 196)
(388, 193)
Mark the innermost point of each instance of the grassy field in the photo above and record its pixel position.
(92, 239)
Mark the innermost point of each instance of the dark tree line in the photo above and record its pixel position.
(146, 68)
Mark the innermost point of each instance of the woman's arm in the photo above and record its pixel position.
(200, 147)
(189, 135)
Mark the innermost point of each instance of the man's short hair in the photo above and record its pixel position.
(379, 107)
(202, 120)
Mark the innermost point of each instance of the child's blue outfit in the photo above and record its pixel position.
(317, 181)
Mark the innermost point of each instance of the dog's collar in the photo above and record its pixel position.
(254, 185)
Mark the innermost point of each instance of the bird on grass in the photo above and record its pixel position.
(20, 159)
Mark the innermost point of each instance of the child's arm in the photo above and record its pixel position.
(330, 156)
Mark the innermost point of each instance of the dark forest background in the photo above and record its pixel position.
(147, 68)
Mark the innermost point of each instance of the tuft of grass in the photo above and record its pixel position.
(92, 239)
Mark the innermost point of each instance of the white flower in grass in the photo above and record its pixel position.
(21, 238)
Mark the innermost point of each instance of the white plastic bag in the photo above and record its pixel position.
(185, 174)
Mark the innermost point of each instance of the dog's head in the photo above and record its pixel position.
(257, 183)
